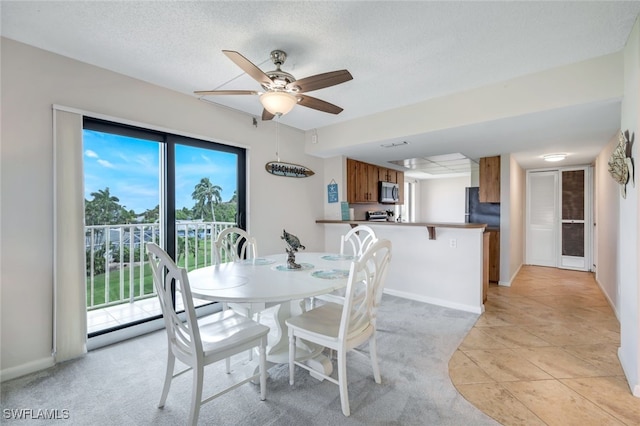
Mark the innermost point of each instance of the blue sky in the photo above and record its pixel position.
(130, 168)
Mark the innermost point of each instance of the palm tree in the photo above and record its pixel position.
(199, 209)
(152, 215)
(104, 208)
(206, 194)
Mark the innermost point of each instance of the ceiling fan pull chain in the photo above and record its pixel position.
(237, 76)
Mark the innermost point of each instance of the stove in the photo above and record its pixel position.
(377, 215)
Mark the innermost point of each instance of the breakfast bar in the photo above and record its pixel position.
(438, 263)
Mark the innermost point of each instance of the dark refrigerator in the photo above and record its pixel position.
(477, 212)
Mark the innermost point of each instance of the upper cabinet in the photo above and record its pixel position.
(400, 182)
(388, 175)
(363, 181)
(489, 180)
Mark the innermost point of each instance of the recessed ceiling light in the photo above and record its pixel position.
(554, 157)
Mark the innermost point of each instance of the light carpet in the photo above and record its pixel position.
(121, 384)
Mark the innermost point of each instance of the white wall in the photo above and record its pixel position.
(606, 232)
(628, 244)
(334, 171)
(512, 228)
(442, 200)
(32, 81)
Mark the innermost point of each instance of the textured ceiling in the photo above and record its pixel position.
(399, 53)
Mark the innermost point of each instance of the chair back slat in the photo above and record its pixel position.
(184, 336)
(364, 289)
(235, 244)
(357, 240)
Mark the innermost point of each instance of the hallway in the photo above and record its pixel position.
(545, 353)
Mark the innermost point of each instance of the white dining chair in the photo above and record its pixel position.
(353, 243)
(195, 344)
(233, 245)
(344, 327)
(357, 240)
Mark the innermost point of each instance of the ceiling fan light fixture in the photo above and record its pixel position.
(554, 157)
(278, 103)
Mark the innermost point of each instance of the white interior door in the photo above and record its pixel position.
(542, 218)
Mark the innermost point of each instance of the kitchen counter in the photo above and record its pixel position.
(447, 271)
(431, 226)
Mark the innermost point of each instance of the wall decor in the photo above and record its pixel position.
(621, 164)
(344, 211)
(332, 192)
(279, 168)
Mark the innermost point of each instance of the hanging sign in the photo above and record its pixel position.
(332, 192)
(279, 168)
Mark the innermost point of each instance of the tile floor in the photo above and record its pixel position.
(545, 353)
(112, 316)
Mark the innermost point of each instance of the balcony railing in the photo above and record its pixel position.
(116, 261)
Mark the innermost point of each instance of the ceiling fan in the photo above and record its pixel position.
(281, 90)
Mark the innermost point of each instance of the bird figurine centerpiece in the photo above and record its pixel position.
(293, 245)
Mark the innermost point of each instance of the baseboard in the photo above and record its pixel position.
(28, 368)
(434, 301)
(633, 387)
(513, 277)
(611, 304)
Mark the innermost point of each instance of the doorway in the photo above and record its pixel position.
(558, 211)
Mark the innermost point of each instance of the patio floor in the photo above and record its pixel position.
(112, 316)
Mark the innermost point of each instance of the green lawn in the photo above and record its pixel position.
(114, 281)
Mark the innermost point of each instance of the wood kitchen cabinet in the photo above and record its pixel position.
(494, 256)
(489, 180)
(490, 260)
(387, 175)
(485, 266)
(363, 181)
(400, 182)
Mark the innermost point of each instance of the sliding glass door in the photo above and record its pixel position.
(147, 186)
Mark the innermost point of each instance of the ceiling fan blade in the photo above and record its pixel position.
(225, 92)
(318, 104)
(320, 81)
(248, 67)
(266, 115)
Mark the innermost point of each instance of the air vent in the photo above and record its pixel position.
(394, 144)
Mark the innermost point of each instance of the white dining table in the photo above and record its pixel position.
(268, 280)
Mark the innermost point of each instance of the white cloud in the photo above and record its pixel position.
(105, 163)
(91, 154)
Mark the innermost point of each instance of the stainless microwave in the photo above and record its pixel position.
(389, 192)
